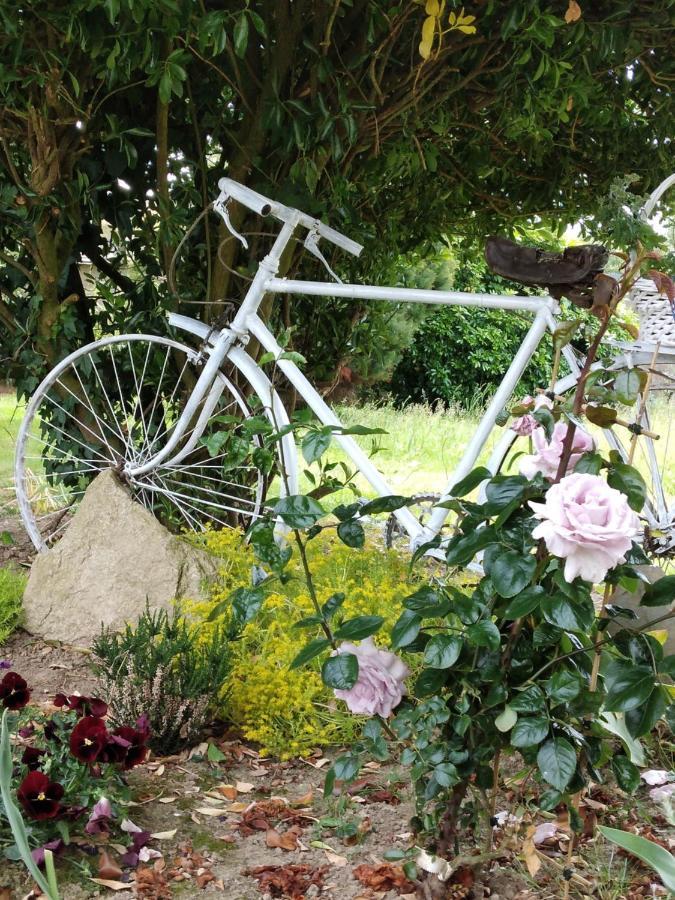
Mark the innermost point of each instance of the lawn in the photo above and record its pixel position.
(417, 454)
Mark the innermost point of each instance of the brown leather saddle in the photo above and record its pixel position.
(576, 273)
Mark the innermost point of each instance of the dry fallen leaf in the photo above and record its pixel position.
(384, 877)
(335, 859)
(573, 13)
(164, 835)
(168, 799)
(244, 787)
(209, 811)
(107, 867)
(112, 885)
(530, 855)
(305, 800)
(286, 841)
(228, 791)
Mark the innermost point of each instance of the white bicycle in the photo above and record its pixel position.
(176, 421)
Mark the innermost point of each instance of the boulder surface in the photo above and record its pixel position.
(113, 557)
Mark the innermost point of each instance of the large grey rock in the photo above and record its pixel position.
(113, 557)
(645, 614)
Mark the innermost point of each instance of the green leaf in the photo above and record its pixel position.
(331, 606)
(446, 774)
(564, 333)
(241, 34)
(557, 762)
(530, 731)
(246, 603)
(484, 634)
(340, 672)
(298, 511)
(427, 602)
(6, 538)
(506, 719)
(525, 603)
(568, 614)
(511, 572)
(472, 480)
(627, 685)
(642, 719)
(530, 700)
(602, 416)
(503, 491)
(660, 593)
(626, 774)
(653, 854)
(314, 444)
(310, 651)
(628, 480)
(351, 533)
(463, 547)
(628, 385)
(405, 630)
(214, 754)
(359, 627)
(443, 651)
(384, 504)
(564, 686)
(589, 464)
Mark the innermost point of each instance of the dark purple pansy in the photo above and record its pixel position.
(32, 757)
(136, 749)
(39, 853)
(99, 818)
(14, 693)
(39, 796)
(5, 664)
(83, 706)
(27, 731)
(88, 738)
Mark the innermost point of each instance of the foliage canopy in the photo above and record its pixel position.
(118, 116)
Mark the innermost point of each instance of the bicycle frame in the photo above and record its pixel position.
(247, 323)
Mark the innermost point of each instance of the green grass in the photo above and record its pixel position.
(418, 454)
(12, 586)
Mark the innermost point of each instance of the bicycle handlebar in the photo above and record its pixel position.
(263, 206)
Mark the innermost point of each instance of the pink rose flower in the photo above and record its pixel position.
(588, 524)
(546, 457)
(524, 425)
(542, 400)
(380, 685)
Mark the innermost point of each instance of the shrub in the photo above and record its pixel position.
(161, 669)
(12, 586)
(289, 712)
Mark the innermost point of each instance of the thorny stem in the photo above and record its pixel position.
(309, 581)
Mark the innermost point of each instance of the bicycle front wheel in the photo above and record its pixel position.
(113, 405)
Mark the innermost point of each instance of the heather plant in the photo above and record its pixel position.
(521, 661)
(160, 668)
(62, 776)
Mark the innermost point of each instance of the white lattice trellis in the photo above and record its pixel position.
(654, 312)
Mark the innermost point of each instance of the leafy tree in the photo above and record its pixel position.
(396, 121)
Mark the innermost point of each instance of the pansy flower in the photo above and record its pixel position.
(32, 757)
(133, 742)
(88, 739)
(84, 706)
(14, 692)
(39, 796)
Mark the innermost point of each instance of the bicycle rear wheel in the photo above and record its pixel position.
(114, 403)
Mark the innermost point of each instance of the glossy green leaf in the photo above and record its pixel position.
(525, 603)
(443, 651)
(660, 593)
(511, 572)
(628, 480)
(557, 761)
(568, 614)
(314, 444)
(627, 685)
(340, 672)
(359, 627)
(310, 651)
(405, 630)
(351, 533)
(484, 634)
(299, 511)
(530, 731)
(626, 774)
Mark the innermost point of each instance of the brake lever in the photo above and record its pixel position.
(220, 206)
(311, 243)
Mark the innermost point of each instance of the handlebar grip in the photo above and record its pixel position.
(340, 240)
(252, 199)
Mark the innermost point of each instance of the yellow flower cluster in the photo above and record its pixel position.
(291, 712)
